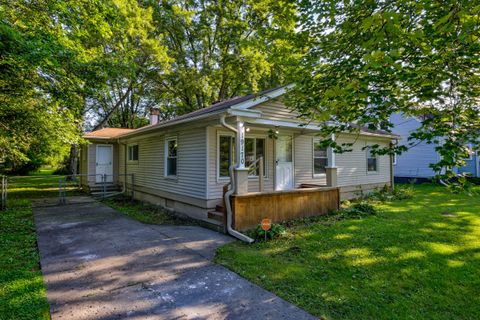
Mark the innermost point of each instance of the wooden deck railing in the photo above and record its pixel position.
(250, 209)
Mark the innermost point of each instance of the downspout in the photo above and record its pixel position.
(228, 194)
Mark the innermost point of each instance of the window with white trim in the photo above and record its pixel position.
(320, 158)
(133, 152)
(372, 160)
(254, 149)
(171, 157)
(226, 155)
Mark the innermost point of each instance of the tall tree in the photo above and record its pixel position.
(221, 49)
(369, 59)
(60, 58)
(34, 123)
(130, 53)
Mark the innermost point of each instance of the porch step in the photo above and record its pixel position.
(216, 215)
(99, 195)
(219, 208)
(108, 187)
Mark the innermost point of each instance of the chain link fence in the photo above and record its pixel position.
(19, 191)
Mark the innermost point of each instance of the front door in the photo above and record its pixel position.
(284, 163)
(104, 163)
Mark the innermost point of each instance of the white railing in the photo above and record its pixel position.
(253, 167)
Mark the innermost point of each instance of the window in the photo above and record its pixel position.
(320, 158)
(133, 153)
(226, 155)
(254, 149)
(372, 164)
(171, 157)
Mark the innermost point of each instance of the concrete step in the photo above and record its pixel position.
(108, 187)
(216, 215)
(220, 208)
(100, 194)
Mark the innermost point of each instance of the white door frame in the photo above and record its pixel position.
(288, 135)
(98, 179)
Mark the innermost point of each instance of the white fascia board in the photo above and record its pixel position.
(169, 124)
(261, 99)
(278, 123)
(245, 113)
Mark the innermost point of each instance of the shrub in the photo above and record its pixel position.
(401, 192)
(358, 210)
(277, 230)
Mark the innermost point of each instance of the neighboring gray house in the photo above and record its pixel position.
(415, 163)
(183, 164)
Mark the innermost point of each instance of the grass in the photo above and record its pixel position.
(38, 185)
(22, 291)
(144, 212)
(415, 259)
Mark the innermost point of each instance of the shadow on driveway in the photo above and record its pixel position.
(99, 264)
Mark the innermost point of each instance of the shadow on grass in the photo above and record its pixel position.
(418, 258)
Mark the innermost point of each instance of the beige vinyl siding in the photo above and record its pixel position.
(303, 149)
(92, 158)
(352, 166)
(276, 110)
(215, 185)
(83, 164)
(121, 163)
(149, 170)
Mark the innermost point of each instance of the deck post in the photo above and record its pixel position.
(331, 169)
(240, 172)
(331, 173)
(240, 145)
(241, 180)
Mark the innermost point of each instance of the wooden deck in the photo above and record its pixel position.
(250, 209)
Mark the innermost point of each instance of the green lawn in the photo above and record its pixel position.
(22, 292)
(416, 259)
(38, 185)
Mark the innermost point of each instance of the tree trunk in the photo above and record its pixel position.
(73, 160)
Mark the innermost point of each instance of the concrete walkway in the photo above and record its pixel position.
(99, 264)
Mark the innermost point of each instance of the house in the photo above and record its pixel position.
(184, 164)
(415, 163)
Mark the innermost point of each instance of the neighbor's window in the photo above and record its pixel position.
(372, 161)
(171, 157)
(226, 155)
(320, 157)
(254, 149)
(133, 152)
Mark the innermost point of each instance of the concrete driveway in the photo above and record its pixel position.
(99, 264)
